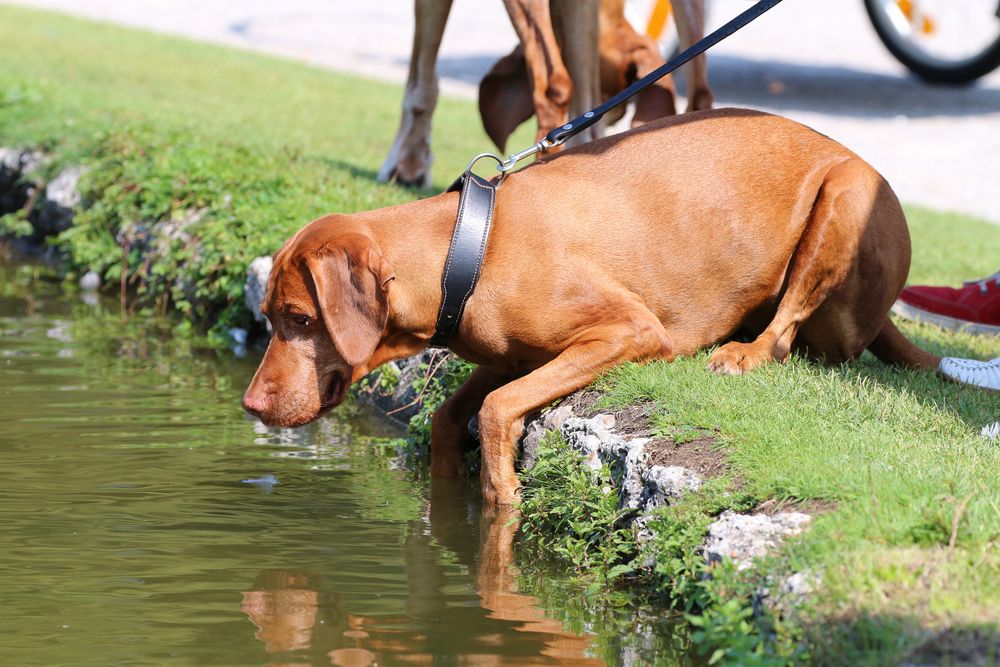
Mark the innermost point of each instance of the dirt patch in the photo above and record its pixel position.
(632, 420)
(692, 448)
(583, 402)
(701, 455)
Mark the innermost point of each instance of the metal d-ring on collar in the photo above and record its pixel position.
(475, 206)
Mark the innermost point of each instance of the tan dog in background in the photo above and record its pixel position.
(645, 245)
(624, 56)
(571, 54)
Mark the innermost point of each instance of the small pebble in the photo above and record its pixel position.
(265, 483)
(90, 282)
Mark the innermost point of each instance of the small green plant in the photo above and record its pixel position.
(15, 224)
(439, 378)
(572, 512)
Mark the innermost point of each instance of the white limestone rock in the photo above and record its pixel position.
(743, 537)
(256, 285)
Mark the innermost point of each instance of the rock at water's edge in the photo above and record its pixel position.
(743, 537)
(62, 197)
(256, 285)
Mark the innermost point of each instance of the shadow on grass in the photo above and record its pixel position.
(363, 173)
(893, 640)
(352, 170)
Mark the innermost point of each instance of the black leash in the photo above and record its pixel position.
(561, 134)
(475, 208)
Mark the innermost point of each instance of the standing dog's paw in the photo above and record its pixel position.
(739, 358)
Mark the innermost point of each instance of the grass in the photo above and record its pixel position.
(259, 146)
(167, 126)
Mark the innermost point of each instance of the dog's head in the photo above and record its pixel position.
(327, 303)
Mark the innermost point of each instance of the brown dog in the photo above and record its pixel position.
(646, 245)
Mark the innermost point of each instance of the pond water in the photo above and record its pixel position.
(145, 520)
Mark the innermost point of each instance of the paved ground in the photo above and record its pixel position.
(937, 146)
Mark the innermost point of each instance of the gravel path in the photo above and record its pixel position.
(937, 146)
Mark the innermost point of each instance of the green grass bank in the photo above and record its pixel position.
(906, 547)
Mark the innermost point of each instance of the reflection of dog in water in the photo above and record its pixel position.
(293, 612)
(286, 606)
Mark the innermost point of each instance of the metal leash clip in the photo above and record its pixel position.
(508, 165)
(505, 166)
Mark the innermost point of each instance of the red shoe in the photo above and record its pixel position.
(974, 308)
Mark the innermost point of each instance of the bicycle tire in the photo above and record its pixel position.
(960, 73)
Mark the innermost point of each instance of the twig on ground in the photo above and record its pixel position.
(431, 370)
(955, 521)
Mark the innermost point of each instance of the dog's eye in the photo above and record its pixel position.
(300, 319)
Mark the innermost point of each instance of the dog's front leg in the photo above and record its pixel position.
(636, 336)
(450, 426)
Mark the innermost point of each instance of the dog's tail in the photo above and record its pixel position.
(892, 347)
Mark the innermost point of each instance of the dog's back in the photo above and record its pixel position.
(699, 215)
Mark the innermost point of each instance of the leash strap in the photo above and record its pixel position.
(465, 255)
(563, 132)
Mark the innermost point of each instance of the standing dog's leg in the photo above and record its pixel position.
(449, 428)
(636, 335)
(550, 82)
(409, 160)
(825, 266)
(576, 24)
(690, 17)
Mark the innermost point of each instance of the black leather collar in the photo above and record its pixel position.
(465, 256)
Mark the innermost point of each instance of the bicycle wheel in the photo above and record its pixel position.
(942, 41)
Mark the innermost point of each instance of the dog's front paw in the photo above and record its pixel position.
(739, 358)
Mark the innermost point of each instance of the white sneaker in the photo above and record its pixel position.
(985, 374)
(991, 432)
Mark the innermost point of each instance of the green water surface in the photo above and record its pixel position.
(146, 520)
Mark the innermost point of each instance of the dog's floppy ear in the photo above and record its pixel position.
(351, 278)
(505, 97)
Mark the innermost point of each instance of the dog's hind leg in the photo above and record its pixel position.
(847, 268)
(634, 335)
(409, 160)
(450, 425)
